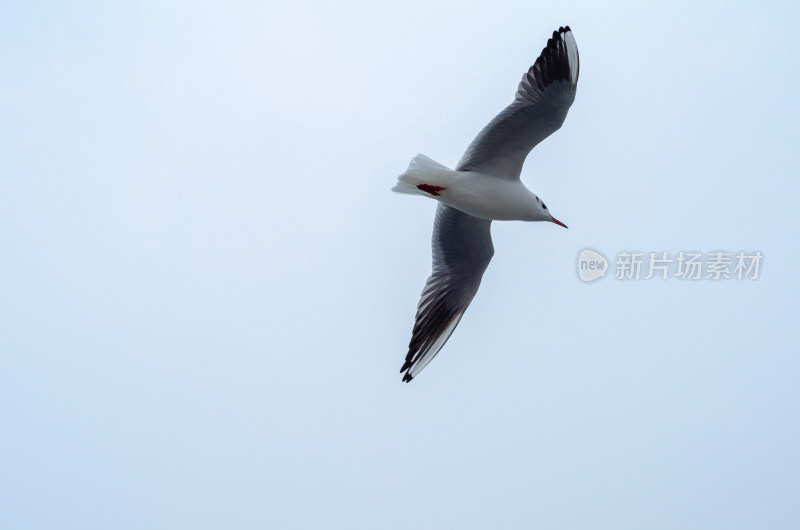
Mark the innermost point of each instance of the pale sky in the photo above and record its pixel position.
(207, 288)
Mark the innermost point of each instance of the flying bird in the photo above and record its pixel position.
(485, 186)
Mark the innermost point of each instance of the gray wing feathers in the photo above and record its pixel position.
(462, 250)
(541, 104)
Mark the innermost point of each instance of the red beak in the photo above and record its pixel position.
(556, 221)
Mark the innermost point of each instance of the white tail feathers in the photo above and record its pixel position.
(425, 172)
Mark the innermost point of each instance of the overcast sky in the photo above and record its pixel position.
(207, 288)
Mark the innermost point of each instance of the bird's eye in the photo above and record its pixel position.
(544, 206)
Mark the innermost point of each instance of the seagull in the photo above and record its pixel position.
(485, 187)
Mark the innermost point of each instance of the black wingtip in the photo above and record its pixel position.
(407, 377)
(557, 34)
(553, 63)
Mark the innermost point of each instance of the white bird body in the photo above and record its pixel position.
(485, 187)
(473, 192)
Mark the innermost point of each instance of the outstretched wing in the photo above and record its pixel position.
(543, 98)
(462, 249)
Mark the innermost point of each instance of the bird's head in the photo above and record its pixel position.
(543, 214)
